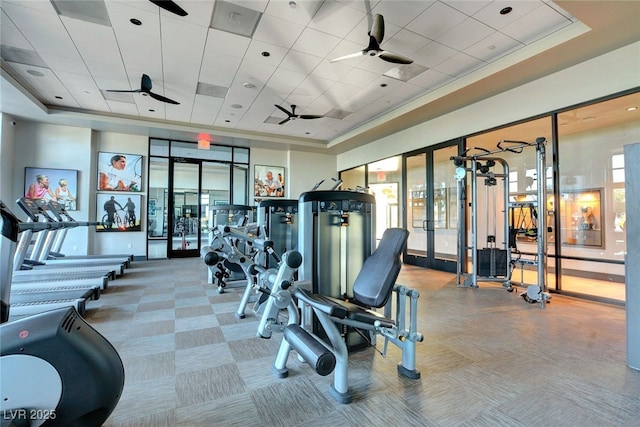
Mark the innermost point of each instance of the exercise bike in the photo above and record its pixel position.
(55, 369)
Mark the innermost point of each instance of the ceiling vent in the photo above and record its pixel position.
(338, 114)
(215, 91)
(21, 56)
(93, 11)
(235, 19)
(118, 96)
(406, 72)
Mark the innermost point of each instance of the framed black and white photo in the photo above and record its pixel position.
(118, 212)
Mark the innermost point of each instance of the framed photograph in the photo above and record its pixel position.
(52, 184)
(268, 181)
(118, 212)
(582, 218)
(152, 208)
(119, 172)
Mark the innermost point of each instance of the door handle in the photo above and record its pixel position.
(427, 225)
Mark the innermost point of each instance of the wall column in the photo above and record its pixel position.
(632, 267)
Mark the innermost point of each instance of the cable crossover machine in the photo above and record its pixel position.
(500, 257)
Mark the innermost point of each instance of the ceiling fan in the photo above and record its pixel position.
(170, 6)
(376, 35)
(292, 114)
(145, 88)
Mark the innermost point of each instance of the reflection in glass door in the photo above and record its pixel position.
(432, 214)
(184, 227)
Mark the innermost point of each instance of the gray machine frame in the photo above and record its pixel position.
(470, 163)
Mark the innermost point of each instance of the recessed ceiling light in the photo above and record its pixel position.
(248, 85)
(632, 108)
(152, 110)
(35, 73)
(307, 133)
(506, 10)
(135, 21)
(293, 4)
(237, 106)
(59, 97)
(227, 121)
(265, 53)
(383, 85)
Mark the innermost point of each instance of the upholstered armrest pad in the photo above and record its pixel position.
(361, 314)
(322, 303)
(342, 309)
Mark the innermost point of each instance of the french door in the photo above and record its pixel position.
(431, 213)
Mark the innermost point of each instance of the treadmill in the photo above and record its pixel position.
(35, 210)
(62, 215)
(24, 304)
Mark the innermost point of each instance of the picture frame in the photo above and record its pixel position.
(120, 219)
(119, 172)
(35, 188)
(582, 217)
(152, 207)
(269, 181)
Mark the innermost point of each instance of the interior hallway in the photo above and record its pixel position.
(488, 358)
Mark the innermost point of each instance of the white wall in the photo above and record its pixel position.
(132, 242)
(610, 73)
(57, 147)
(303, 169)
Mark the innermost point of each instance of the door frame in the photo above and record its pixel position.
(191, 252)
(429, 260)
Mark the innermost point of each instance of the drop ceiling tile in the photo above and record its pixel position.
(10, 35)
(301, 14)
(332, 71)
(340, 92)
(406, 43)
(431, 79)
(84, 81)
(44, 81)
(492, 47)
(254, 70)
(401, 16)
(433, 54)
(465, 34)
(333, 18)
(284, 81)
(468, 7)
(33, 16)
(459, 65)
(359, 77)
(360, 100)
(73, 64)
(277, 31)
(491, 16)
(539, 23)
(226, 43)
(124, 108)
(300, 62)
(275, 57)
(436, 20)
(315, 42)
(60, 98)
(218, 68)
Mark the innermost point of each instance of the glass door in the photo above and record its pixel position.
(184, 208)
(431, 207)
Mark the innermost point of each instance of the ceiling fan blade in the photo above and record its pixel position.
(123, 91)
(310, 116)
(394, 57)
(145, 83)
(170, 6)
(283, 110)
(162, 98)
(377, 28)
(351, 55)
(284, 121)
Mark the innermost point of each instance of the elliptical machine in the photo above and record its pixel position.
(55, 369)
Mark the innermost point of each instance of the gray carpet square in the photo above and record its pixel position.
(198, 337)
(208, 384)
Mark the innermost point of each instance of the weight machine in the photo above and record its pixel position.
(495, 262)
